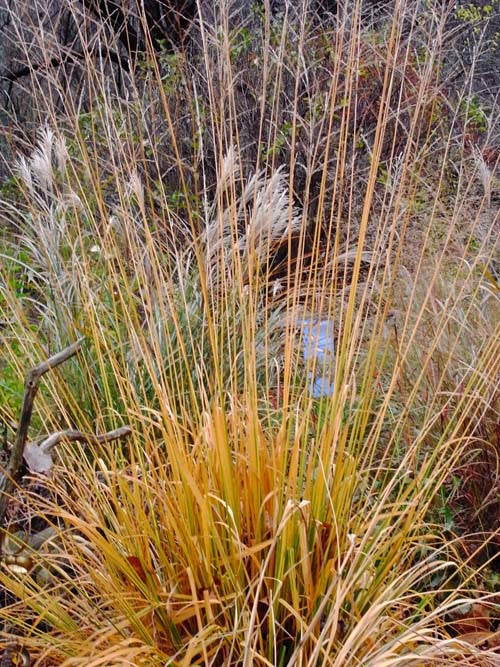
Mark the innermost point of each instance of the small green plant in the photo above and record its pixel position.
(281, 140)
(474, 14)
(241, 43)
(475, 116)
(11, 384)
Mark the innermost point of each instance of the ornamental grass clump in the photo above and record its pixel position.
(283, 268)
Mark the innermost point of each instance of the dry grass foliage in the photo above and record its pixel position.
(191, 221)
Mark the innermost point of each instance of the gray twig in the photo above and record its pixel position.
(32, 381)
(38, 455)
(71, 436)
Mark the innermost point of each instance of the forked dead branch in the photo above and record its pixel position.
(37, 455)
(38, 458)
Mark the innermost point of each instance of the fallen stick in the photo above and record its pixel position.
(38, 455)
(54, 439)
(12, 472)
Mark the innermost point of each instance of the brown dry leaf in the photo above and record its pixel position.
(480, 639)
(494, 640)
(472, 620)
(137, 566)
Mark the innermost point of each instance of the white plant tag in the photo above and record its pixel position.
(319, 350)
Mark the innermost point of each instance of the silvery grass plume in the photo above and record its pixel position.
(235, 245)
(246, 229)
(45, 229)
(485, 175)
(39, 171)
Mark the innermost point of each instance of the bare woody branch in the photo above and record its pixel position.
(32, 381)
(38, 455)
(89, 438)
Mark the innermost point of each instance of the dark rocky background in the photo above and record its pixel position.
(472, 57)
